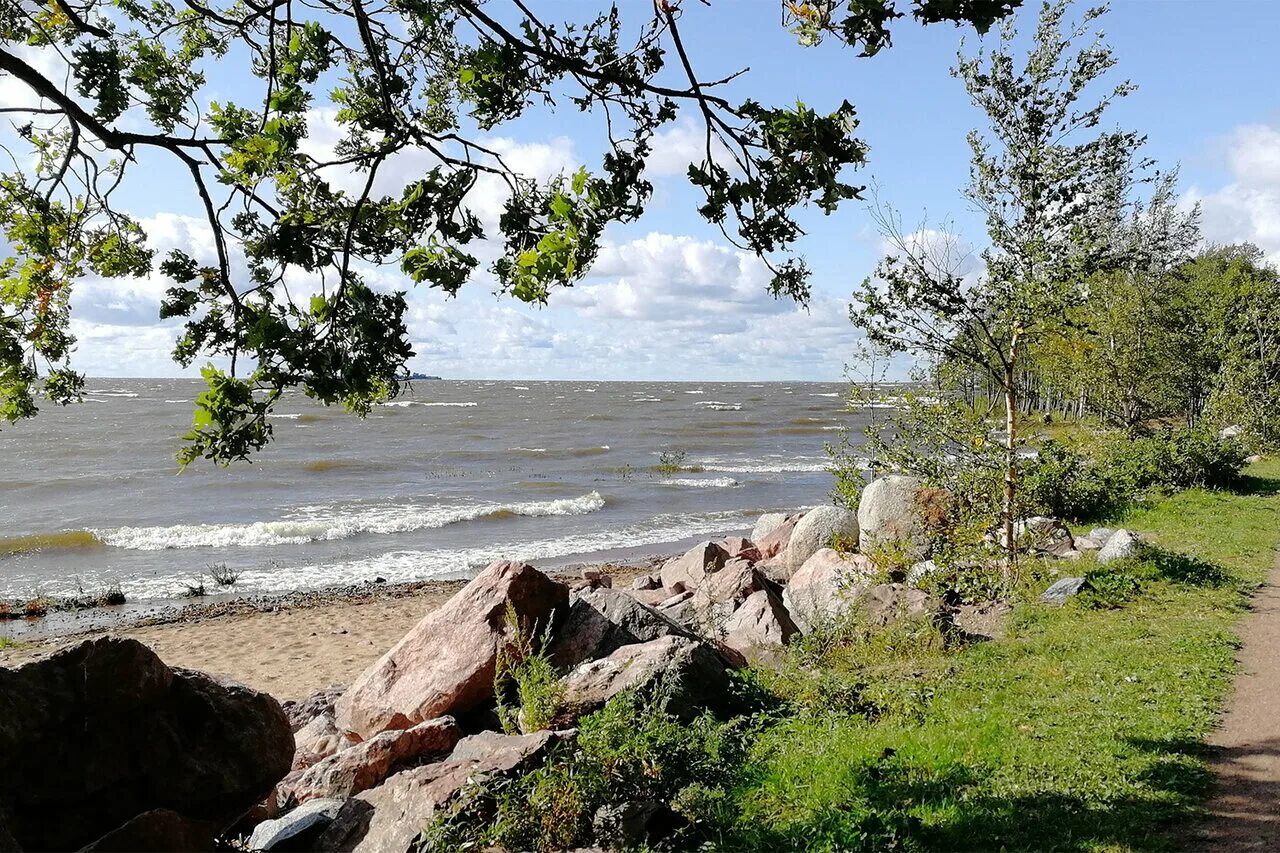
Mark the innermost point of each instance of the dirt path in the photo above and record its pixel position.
(1245, 808)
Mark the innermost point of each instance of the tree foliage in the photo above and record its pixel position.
(120, 88)
(1044, 177)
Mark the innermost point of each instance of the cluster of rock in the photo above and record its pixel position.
(108, 749)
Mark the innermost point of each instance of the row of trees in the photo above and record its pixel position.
(1090, 298)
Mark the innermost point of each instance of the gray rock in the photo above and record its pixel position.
(1061, 590)
(817, 530)
(691, 673)
(297, 830)
(1232, 431)
(920, 571)
(158, 830)
(1119, 545)
(1100, 535)
(1041, 534)
(603, 620)
(1084, 543)
(645, 582)
(1253, 460)
(888, 513)
(767, 523)
(623, 824)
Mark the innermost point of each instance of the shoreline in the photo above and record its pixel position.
(292, 644)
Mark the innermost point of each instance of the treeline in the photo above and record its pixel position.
(1194, 344)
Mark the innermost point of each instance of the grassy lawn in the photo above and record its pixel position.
(1081, 730)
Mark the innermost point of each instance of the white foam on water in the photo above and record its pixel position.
(320, 524)
(401, 566)
(706, 483)
(718, 406)
(831, 394)
(292, 417)
(762, 466)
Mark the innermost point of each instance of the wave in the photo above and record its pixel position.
(322, 524)
(706, 483)
(292, 417)
(569, 452)
(718, 406)
(111, 392)
(64, 540)
(826, 394)
(404, 404)
(401, 566)
(754, 466)
(646, 399)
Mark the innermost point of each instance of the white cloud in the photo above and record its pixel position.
(1247, 208)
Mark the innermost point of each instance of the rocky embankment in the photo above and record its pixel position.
(110, 749)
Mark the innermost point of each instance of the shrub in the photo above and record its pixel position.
(630, 751)
(193, 590)
(1067, 483)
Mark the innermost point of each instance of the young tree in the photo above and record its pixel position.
(1037, 171)
(110, 91)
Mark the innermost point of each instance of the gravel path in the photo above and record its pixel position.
(1244, 813)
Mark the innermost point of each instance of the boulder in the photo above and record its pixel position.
(889, 602)
(691, 675)
(1084, 543)
(646, 582)
(820, 528)
(99, 733)
(1232, 431)
(364, 765)
(321, 702)
(603, 620)
(889, 515)
(760, 626)
(1100, 535)
(741, 548)
(1063, 589)
(766, 524)
(823, 589)
(390, 817)
(695, 564)
(1253, 459)
(317, 740)
(1119, 545)
(1041, 534)
(299, 830)
(774, 543)
(446, 664)
(156, 831)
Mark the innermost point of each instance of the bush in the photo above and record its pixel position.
(631, 751)
(1067, 483)
(222, 576)
(524, 673)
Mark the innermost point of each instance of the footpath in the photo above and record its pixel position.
(1244, 810)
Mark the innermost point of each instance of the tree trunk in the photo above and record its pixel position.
(1010, 451)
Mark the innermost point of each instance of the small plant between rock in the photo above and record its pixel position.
(525, 682)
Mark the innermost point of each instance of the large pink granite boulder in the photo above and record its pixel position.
(692, 567)
(445, 665)
(360, 767)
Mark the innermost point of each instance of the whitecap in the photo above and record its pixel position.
(316, 524)
(705, 483)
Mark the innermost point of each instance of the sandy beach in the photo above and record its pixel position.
(287, 650)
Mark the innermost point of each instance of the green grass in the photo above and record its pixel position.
(1082, 730)
(10, 643)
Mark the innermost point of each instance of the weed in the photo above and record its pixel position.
(193, 590)
(672, 462)
(525, 670)
(221, 575)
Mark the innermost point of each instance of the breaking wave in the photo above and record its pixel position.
(323, 523)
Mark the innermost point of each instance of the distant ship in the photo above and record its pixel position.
(413, 376)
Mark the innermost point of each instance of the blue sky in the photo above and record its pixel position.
(670, 300)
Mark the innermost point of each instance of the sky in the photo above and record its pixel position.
(669, 299)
